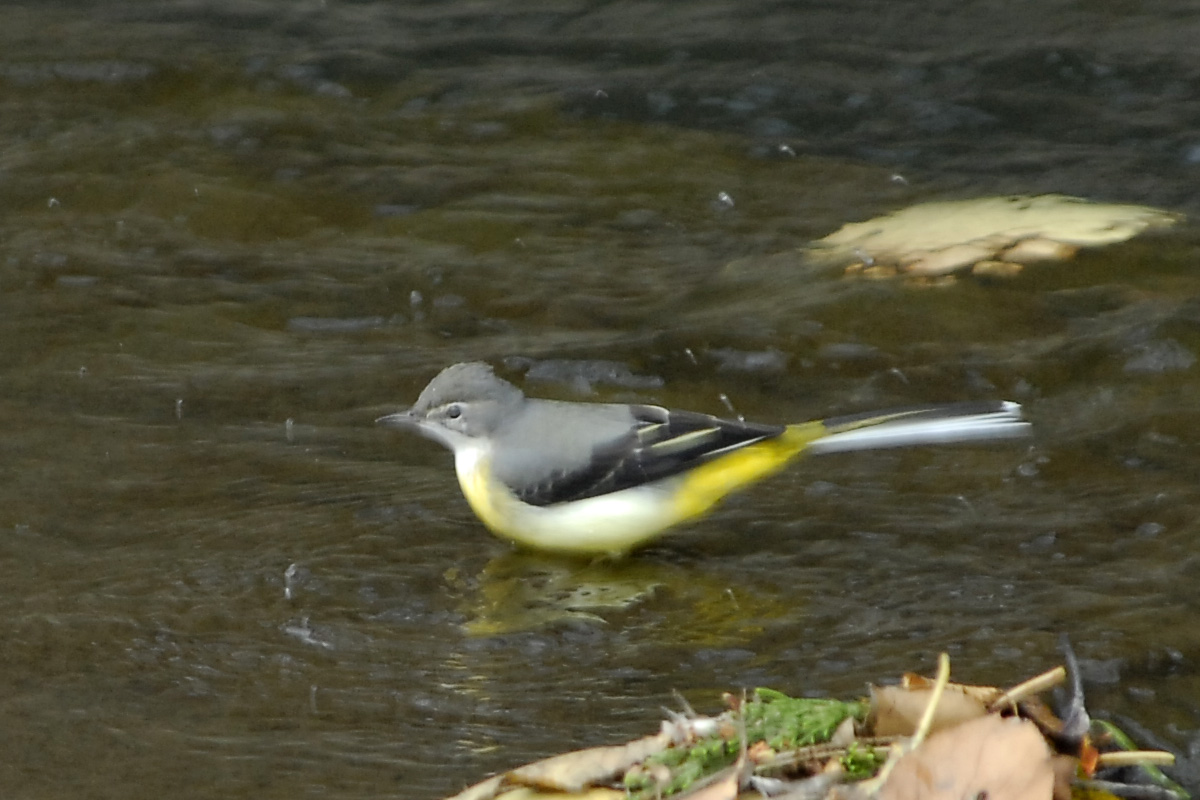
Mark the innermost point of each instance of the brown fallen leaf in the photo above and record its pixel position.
(573, 772)
(992, 757)
(525, 793)
(984, 694)
(845, 733)
(895, 710)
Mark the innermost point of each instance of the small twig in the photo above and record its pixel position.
(939, 686)
(1133, 758)
(871, 788)
(822, 752)
(687, 707)
(817, 753)
(1035, 685)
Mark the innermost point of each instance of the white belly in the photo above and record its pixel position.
(613, 523)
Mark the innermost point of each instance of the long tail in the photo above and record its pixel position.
(962, 422)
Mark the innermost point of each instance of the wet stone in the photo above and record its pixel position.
(1159, 357)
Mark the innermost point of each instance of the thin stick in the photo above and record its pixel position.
(1035, 685)
(871, 788)
(1130, 758)
(939, 686)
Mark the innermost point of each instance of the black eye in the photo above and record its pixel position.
(453, 411)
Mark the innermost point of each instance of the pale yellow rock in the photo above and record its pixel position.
(949, 259)
(997, 269)
(945, 237)
(878, 272)
(933, 281)
(1029, 251)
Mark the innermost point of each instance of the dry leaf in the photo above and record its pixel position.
(896, 711)
(573, 772)
(845, 734)
(984, 694)
(992, 757)
(760, 752)
(525, 793)
(1065, 769)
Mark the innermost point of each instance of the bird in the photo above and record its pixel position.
(603, 479)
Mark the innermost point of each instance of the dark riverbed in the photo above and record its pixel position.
(235, 233)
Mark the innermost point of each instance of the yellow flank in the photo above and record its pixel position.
(706, 485)
(485, 496)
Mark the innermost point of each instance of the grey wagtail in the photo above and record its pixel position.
(604, 478)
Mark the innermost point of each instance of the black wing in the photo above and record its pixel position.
(663, 443)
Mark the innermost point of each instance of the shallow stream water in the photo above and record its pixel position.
(232, 234)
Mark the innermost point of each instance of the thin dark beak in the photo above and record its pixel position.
(403, 419)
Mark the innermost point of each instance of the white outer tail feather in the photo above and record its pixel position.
(1004, 423)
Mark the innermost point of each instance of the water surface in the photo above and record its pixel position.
(235, 233)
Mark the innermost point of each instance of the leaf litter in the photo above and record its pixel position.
(923, 739)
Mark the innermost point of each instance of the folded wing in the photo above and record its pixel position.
(661, 443)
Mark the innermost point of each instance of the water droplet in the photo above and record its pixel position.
(289, 575)
(1148, 530)
(724, 398)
